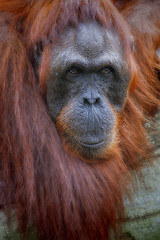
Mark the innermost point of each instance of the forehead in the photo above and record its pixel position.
(89, 41)
(92, 40)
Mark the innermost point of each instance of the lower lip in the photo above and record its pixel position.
(92, 145)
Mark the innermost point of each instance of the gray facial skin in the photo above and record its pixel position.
(87, 87)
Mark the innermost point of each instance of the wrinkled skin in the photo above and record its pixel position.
(87, 88)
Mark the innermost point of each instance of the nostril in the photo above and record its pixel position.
(86, 101)
(97, 100)
(91, 101)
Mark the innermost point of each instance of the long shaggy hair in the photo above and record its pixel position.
(60, 196)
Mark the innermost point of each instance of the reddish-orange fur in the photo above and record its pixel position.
(61, 196)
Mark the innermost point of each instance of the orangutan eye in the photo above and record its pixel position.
(73, 72)
(105, 71)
